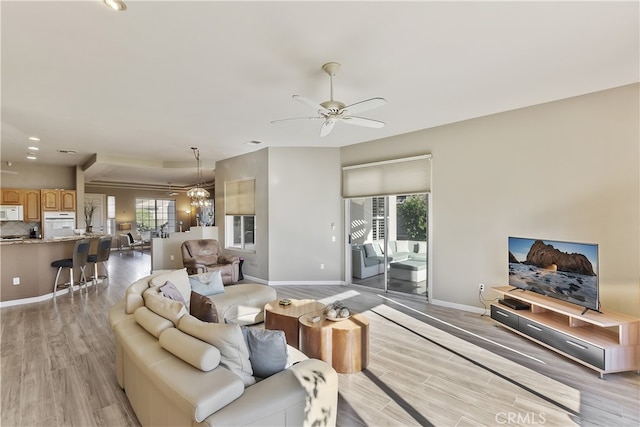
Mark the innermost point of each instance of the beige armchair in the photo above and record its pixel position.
(200, 256)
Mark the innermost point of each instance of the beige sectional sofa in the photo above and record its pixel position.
(177, 370)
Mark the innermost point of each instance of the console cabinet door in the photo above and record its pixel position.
(504, 317)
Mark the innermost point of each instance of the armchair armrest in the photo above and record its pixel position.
(228, 259)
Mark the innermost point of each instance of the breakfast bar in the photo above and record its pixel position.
(27, 275)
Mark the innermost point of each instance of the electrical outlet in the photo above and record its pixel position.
(16, 280)
(481, 287)
(171, 257)
(321, 266)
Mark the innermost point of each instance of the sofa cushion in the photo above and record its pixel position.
(403, 246)
(267, 350)
(207, 284)
(169, 309)
(179, 278)
(195, 352)
(203, 308)
(133, 295)
(151, 322)
(170, 291)
(373, 249)
(228, 339)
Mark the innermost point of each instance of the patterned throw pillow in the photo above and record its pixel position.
(203, 308)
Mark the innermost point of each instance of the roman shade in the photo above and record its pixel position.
(239, 197)
(409, 175)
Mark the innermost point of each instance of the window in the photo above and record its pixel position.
(240, 222)
(156, 214)
(377, 218)
(111, 215)
(240, 232)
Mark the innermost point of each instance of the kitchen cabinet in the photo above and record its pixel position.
(31, 203)
(11, 196)
(58, 200)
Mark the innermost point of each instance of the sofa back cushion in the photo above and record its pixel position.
(162, 306)
(151, 322)
(228, 339)
(195, 352)
(180, 280)
(133, 294)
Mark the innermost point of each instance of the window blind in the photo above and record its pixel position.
(408, 175)
(239, 197)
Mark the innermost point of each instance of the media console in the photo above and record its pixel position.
(604, 341)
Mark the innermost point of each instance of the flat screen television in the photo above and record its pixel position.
(567, 271)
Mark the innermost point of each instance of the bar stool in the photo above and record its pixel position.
(102, 255)
(78, 262)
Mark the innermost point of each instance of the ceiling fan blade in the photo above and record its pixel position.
(360, 121)
(296, 118)
(313, 104)
(327, 127)
(368, 104)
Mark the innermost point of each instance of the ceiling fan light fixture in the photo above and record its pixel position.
(118, 5)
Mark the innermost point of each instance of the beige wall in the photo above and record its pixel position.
(126, 203)
(32, 175)
(566, 170)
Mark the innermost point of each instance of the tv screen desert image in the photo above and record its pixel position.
(564, 270)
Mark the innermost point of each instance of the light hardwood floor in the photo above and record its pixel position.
(428, 366)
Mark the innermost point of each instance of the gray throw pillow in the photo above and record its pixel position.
(169, 290)
(207, 284)
(267, 351)
(203, 308)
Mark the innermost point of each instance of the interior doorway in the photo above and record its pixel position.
(388, 242)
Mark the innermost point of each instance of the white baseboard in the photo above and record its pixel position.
(292, 282)
(462, 307)
(40, 298)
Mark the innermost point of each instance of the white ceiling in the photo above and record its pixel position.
(134, 90)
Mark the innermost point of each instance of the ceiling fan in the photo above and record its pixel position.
(171, 193)
(332, 111)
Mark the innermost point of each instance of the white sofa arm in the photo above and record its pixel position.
(308, 388)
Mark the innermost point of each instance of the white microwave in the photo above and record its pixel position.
(11, 213)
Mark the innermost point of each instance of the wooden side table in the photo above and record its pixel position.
(344, 344)
(285, 317)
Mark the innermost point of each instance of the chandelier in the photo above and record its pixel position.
(199, 196)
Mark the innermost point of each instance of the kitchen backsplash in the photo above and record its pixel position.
(17, 228)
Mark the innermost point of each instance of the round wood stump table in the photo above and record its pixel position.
(285, 317)
(343, 344)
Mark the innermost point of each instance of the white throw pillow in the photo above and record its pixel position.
(228, 339)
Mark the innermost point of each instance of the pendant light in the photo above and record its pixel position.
(199, 196)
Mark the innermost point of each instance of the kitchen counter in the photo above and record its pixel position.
(28, 262)
(28, 241)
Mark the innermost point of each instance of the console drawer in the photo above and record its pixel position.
(504, 316)
(562, 342)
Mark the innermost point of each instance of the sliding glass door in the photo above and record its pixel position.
(388, 242)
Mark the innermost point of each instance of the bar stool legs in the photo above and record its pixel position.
(78, 262)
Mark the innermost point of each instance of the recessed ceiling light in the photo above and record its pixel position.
(31, 156)
(116, 4)
(33, 138)
(33, 148)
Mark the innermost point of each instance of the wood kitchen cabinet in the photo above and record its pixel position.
(58, 200)
(31, 203)
(11, 196)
